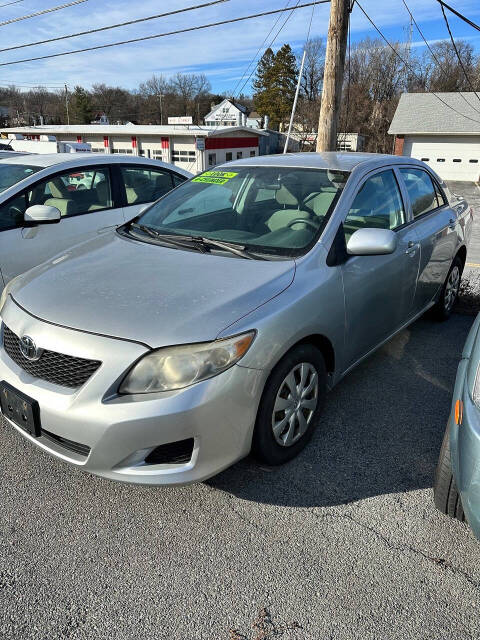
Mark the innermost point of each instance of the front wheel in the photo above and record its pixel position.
(446, 495)
(291, 405)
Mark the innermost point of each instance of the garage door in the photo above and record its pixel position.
(453, 158)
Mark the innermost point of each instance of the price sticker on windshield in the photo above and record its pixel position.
(215, 177)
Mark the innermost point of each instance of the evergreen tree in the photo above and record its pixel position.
(81, 106)
(275, 85)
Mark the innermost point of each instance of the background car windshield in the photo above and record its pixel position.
(10, 174)
(279, 210)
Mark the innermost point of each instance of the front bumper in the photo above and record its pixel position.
(120, 431)
(465, 449)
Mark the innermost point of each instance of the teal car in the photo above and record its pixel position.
(457, 478)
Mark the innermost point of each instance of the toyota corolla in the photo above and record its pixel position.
(214, 323)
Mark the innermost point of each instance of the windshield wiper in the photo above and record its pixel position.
(237, 249)
(170, 238)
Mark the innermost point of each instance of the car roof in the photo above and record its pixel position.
(46, 160)
(337, 161)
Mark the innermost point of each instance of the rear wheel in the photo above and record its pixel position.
(449, 293)
(291, 405)
(446, 495)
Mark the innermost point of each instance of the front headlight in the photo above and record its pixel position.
(178, 367)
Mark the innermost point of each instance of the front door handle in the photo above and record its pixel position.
(412, 248)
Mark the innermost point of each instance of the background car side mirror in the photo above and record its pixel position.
(372, 242)
(42, 213)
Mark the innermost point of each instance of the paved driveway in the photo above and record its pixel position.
(342, 543)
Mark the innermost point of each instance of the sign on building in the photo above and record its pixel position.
(180, 120)
(200, 144)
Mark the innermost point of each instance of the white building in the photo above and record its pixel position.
(227, 114)
(445, 137)
(190, 147)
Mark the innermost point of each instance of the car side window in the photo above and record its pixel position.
(440, 198)
(178, 179)
(146, 184)
(421, 191)
(11, 212)
(74, 192)
(377, 204)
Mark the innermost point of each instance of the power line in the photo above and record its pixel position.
(458, 54)
(409, 66)
(459, 15)
(115, 26)
(9, 3)
(277, 20)
(434, 56)
(162, 35)
(291, 9)
(40, 13)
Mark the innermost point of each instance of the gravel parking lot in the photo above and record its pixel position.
(342, 543)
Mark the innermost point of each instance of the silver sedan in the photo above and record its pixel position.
(214, 323)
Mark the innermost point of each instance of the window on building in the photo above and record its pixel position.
(126, 151)
(158, 155)
(473, 160)
(252, 154)
(145, 185)
(457, 160)
(212, 159)
(184, 156)
(424, 159)
(368, 210)
(229, 156)
(239, 155)
(421, 191)
(440, 159)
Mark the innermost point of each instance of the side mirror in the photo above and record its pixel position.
(372, 242)
(41, 213)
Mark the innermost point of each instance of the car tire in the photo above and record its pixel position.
(446, 495)
(449, 293)
(296, 387)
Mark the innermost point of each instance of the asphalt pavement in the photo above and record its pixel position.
(341, 543)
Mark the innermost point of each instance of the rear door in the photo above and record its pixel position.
(142, 184)
(86, 200)
(379, 290)
(434, 224)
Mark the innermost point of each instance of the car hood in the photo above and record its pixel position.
(119, 287)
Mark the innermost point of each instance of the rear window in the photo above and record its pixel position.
(10, 174)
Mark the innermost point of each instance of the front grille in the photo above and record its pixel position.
(58, 368)
(81, 449)
(177, 452)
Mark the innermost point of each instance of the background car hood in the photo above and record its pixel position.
(148, 293)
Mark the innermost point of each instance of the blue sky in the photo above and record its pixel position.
(222, 53)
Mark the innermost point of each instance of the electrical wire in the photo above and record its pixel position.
(114, 26)
(277, 20)
(9, 3)
(41, 13)
(409, 66)
(458, 54)
(434, 57)
(162, 35)
(459, 15)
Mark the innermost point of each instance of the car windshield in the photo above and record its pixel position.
(269, 209)
(10, 174)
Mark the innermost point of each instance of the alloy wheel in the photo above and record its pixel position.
(295, 404)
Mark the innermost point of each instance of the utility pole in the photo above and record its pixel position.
(66, 104)
(333, 75)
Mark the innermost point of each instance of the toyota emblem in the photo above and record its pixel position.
(29, 348)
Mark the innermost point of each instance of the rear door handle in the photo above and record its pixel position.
(412, 248)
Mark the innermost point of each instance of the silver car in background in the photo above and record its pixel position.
(49, 202)
(215, 322)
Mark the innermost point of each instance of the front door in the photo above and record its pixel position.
(84, 198)
(379, 290)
